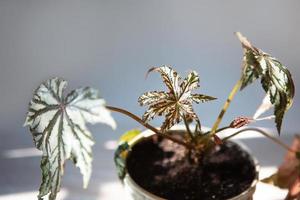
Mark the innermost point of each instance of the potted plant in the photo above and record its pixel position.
(185, 162)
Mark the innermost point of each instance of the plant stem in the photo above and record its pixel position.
(225, 107)
(139, 120)
(274, 139)
(222, 129)
(218, 130)
(188, 128)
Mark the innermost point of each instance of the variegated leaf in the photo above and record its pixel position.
(176, 103)
(172, 117)
(170, 78)
(275, 78)
(58, 127)
(251, 69)
(159, 108)
(149, 98)
(190, 83)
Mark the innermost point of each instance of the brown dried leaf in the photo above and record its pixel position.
(240, 122)
(294, 190)
(288, 174)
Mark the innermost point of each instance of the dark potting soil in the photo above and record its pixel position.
(163, 168)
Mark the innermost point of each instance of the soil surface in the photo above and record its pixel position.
(163, 168)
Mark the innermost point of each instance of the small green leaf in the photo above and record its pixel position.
(129, 135)
(120, 159)
(122, 151)
(58, 127)
(276, 79)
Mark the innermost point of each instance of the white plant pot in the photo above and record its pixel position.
(136, 192)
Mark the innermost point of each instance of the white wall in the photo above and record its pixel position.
(111, 44)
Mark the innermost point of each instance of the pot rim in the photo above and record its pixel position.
(148, 133)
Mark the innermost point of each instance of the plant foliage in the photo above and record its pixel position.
(58, 122)
(275, 78)
(58, 127)
(176, 103)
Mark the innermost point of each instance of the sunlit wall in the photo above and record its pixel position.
(111, 44)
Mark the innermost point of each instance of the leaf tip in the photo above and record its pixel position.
(245, 42)
(112, 123)
(85, 184)
(278, 126)
(26, 123)
(214, 98)
(238, 34)
(149, 71)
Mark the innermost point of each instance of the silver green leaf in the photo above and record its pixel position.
(275, 78)
(176, 103)
(58, 127)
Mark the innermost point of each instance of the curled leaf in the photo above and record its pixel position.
(58, 127)
(240, 122)
(275, 78)
(176, 103)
